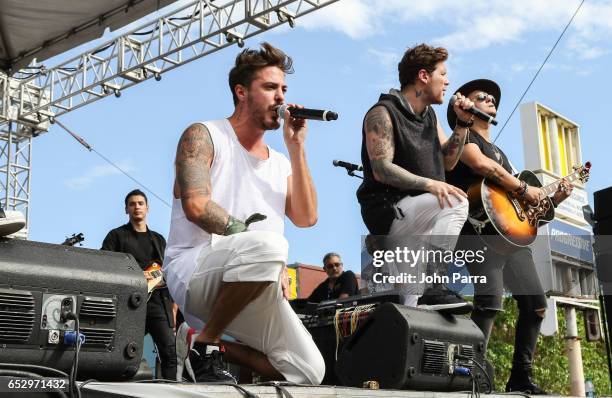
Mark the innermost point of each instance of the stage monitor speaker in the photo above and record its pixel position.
(602, 202)
(407, 348)
(107, 291)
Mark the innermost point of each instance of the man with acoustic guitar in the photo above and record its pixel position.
(515, 268)
(148, 247)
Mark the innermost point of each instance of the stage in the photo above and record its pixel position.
(151, 390)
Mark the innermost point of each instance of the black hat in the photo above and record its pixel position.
(486, 85)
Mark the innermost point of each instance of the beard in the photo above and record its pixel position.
(262, 119)
(433, 98)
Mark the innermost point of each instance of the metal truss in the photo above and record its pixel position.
(197, 29)
(15, 161)
(28, 105)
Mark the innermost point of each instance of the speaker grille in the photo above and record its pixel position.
(98, 307)
(16, 315)
(434, 357)
(468, 351)
(98, 337)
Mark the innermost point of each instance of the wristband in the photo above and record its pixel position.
(234, 226)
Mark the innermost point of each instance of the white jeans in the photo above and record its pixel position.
(267, 324)
(421, 217)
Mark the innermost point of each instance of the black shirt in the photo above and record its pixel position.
(346, 283)
(462, 176)
(417, 149)
(146, 247)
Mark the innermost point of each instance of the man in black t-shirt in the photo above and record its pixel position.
(338, 285)
(148, 247)
(482, 158)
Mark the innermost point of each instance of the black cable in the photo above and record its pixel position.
(75, 363)
(489, 382)
(538, 72)
(57, 372)
(83, 384)
(459, 356)
(243, 390)
(90, 148)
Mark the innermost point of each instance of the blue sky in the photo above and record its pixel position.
(344, 56)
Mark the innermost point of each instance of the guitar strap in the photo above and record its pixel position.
(156, 246)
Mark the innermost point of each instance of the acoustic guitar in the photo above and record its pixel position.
(505, 221)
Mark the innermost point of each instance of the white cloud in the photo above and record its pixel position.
(583, 50)
(95, 173)
(355, 18)
(388, 59)
(473, 25)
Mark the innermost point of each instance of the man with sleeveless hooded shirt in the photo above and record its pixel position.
(226, 250)
(404, 154)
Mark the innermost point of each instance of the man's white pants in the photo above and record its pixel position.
(421, 217)
(267, 324)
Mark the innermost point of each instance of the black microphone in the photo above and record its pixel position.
(305, 113)
(476, 112)
(348, 166)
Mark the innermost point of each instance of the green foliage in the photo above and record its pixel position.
(550, 366)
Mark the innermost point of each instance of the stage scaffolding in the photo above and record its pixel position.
(29, 103)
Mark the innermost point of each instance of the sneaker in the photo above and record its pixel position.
(207, 364)
(10, 221)
(444, 301)
(184, 335)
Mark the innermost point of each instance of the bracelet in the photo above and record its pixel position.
(467, 124)
(522, 189)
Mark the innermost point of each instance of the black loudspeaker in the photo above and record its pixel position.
(603, 259)
(602, 201)
(107, 291)
(407, 348)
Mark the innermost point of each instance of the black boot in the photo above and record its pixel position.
(527, 331)
(521, 381)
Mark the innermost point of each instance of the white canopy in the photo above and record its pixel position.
(43, 28)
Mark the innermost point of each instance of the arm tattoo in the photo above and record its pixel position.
(493, 175)
(453, 147)
(381, 148)
(193, 155)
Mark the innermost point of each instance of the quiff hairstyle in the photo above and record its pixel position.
(416, 58)
(249, 61)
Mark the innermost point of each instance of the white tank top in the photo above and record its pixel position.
(241, 184)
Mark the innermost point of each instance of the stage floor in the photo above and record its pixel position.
(152, 390)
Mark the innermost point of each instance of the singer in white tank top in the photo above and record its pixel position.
(232, 283)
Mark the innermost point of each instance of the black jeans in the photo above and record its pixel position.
(517, 272)
(160, 326)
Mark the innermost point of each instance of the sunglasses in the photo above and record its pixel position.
(484, 96)
(332, 265)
